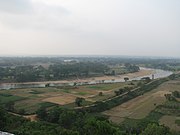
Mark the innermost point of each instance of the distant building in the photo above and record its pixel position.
(71, 61)
(5, 133)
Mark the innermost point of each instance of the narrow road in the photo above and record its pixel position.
(32, 117)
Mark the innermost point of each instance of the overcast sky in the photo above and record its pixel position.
(90, 27)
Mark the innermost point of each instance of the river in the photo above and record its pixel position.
(7, 86)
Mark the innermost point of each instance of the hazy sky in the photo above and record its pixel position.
(86, 27)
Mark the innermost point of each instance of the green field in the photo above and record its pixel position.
(30, 99)
(5, 99)
(106, 87)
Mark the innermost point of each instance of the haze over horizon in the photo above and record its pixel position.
(84, 27)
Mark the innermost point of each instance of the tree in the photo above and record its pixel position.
(2, 118)
(75, 83)
(54, 114)
(154, 129)
(100, 94)
(79, 101)
(126, 79)
(146, 79)
(21, 111)
(113, 72)
(9, 106)
(169, 97)
(116, 92)
(47, 85)
(42, 113)
(96, 127)
(67, 118)
(176, 94)
(172, 77)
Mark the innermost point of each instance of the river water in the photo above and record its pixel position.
(7, 86)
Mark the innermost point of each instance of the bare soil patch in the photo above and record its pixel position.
(62, 99)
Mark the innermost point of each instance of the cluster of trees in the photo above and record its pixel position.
(79, 101)
(173, 96)
(31, 73)
(131, 68)
(88, 124)
(122, 90)
(21, 73)
(121, 98)
(176, 94)
(77, 69)
(27, 69)
(146, 79)
(54, 72)
(58, 121)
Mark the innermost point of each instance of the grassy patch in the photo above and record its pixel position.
(177, 122)
(32, 106)
(5, 94)
(82, 93)
(66, 90)
(106, 87)
(36, 92)
(47, 104)
(6, 99)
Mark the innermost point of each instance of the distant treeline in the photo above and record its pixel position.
(26, 69)
(60, 71)
(24, 61)
(54, 72)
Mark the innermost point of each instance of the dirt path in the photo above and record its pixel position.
(29, 117)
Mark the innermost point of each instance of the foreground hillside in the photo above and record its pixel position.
(87, 120)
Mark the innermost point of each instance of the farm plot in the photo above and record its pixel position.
(30, 99)
(170, 121)
(141, 106)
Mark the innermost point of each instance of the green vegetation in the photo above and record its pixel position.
(58, 71)
(5, 98)
(58, 121)
(44, 69)
(106, 87)
(35, 92)
(122, 69)
(119, 99)
(74, 110)
(79, 101)
(177, 122)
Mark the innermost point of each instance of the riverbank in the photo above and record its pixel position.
(142, 72)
